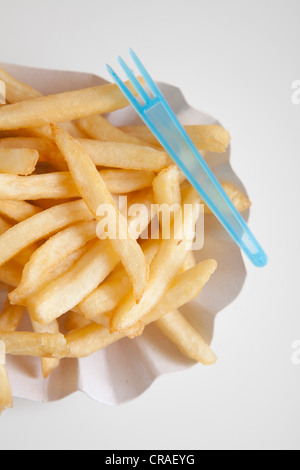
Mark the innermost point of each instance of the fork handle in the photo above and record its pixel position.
(173, 137)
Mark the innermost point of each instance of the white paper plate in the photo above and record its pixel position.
(127, 368)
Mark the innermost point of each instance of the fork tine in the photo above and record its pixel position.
(156, 92)
(131, 98)
(143, 94)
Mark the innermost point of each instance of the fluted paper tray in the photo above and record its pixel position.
(127, 368)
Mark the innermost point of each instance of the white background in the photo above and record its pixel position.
(236, 60)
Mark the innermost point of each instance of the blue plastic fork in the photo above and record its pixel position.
(160, 119)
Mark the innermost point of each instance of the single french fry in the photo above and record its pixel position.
(11, 273)
(72, 129)
(45, 133)
(110, 293)
(167, 195)
(11, 317)
(166, 186)
(60, 185)
(42, 146)
(43, 224)
(2, 92)
(45, 204)
(95, 193)
(75, 321)
(21, 92)
(187, 339)
(85, 341)
(4, 225)
(48, 364)
(18, 211)
(124, 155)
(240, 201)
(212, 138)
(99, 128)
(23, 257)
(174, 325)
(6, 399)
(62, 107)
(189, 262)
(164, 267)
(18, 161)
(15, 90)
(24, 343)
(126, 181)
(50, 255)
(48, 152)
(51, 185)
(142, 133)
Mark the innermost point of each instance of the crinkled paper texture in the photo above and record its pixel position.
(127, 368)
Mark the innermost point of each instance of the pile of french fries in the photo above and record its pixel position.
(60, 159)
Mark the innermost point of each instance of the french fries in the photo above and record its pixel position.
(81, 286)
(95, 193)
(109, 294)
(128, 156)
(18, 211)
(126, 181)
(77, 283)
(85, 341)
(40, 226)
(212, 138)
(68, 106)
(187, 339)
(93, 337)
(48, 364)
(185, 288)
(4, 225)
(25, 343)
(189, 262)
(74, 321)
(38, 271)
(166, 186)
(15, 90)
(164, 267)
(18, 161)
(11, 317)
(98, 128)
(23, 257)
(68, 290)
(2, 92)
(6, 398)
(60, 185)
(46, 149)
(11, 274)
(240, 200)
